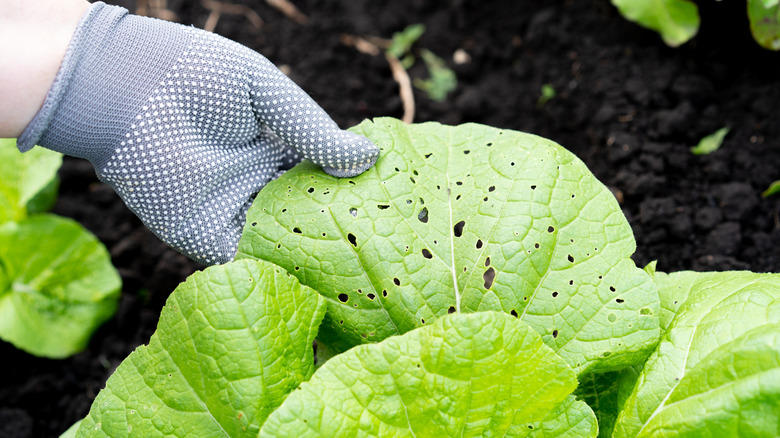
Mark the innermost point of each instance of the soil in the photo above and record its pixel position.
(626, 104)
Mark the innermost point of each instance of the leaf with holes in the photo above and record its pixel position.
(716, 370)
(462, 219)
(232, 342)
(464, 375)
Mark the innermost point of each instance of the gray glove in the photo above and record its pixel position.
(187, 126)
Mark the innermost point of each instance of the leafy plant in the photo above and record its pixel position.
(717, 367)
(547, 93)
(57, 284)
(462, 219)
(402, 42)
(442, 79)
(495, 350)
(773, 188)
(677, 21)
(710, 143)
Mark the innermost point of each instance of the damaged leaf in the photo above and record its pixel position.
(462, 219)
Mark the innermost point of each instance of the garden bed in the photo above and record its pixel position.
(626, 104)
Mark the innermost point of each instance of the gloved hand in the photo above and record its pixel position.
(186, 126)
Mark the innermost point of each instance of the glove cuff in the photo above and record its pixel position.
(96, 94)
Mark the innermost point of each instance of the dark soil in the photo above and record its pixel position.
(627, 105)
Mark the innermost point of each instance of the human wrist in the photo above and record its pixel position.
(34, 37)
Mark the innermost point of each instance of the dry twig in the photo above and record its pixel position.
(371, 47)
(217, 8)
(289, 10)
(157, 9)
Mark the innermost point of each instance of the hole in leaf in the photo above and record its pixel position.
(254, 224)
(487, 261)
(415, 173)
(485, 199)
(492, 189)
(512, 163)
(466, 152)
(311, 190)
(297, 230)
(620, 301)
(537, 245)
(457, 198)
(360, 291)
(489, 144)
(513, 313)
(570, 258)
(352, 239)
(458, 228)
(645, 311)
(555, 294)
(383, 206)
(278, 246)
(427, 254)
(479, 243)
(408, 201)
(428, 155)
(353, 211)
(489, 276)
(423, 216)
(370, 296)
(397, 282)
(571, 282)
(343, 298)
(551, 229)
(422, 320)
(533, 187)
(612, 288)
(341, 322)
(451, 309)
(459, 183)
(297, 268)
(555, 333)
(413, 181)
(384, 293)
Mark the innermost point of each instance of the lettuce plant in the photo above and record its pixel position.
(462, 219)
(57, 284)
(549, 331)
(677, 21)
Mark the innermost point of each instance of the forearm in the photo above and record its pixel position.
(34, 36)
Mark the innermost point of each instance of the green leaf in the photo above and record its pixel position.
(71, 432)
(677, 21)
(710, 143)
(570, 419)
(547, 93)
(773, 189)
(232, 342)
(23, 176)
(606, 393)
(716, 371)
(464, 375)
(764, 18)
(462, 219)
(402, 42)
(57, 285)
(442, 80)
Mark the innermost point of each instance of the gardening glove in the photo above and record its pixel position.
(185, 125)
